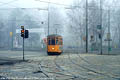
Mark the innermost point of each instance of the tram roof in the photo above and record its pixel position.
(54, 35)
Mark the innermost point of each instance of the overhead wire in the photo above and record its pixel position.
(7, 2)
(71, 6)
(52, 3)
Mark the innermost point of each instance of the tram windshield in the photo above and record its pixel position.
(51, 41)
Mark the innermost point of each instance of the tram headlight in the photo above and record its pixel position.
(53, 48)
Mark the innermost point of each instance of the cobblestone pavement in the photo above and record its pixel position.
(67, 66)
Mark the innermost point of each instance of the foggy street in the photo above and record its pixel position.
(59, 39)
(38, 65)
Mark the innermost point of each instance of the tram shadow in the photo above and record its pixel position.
(53, 54)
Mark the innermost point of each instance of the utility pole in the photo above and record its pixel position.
(101, 51)
(109, 30)
(23, 35)
(12, 32)
(48, 17)
(86, 26)
(23, 48)
(12, 38)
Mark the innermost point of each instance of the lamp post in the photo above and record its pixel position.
(109, 31)
(101, 51)
(48, 17)
(86, 26)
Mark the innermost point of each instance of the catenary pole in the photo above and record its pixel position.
(86, 26)
(108, 30)
(101, 51)
(48, 16)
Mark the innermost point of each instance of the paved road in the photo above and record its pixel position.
(68, 66)
(12, 57)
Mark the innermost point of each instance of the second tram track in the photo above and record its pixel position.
(66, 72)
(40, 70)
(88, 69)
(74, 75)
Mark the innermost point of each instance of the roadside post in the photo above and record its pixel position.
(99, 28)
(108, 39)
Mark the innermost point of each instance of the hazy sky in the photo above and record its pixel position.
(30, 3)
(38, 4)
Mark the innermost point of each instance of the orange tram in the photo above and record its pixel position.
(54, 44)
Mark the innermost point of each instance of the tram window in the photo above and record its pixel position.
(57, 41)
(60, 42)
(53, 41)
(48, 41)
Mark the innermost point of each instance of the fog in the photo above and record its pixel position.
(66, 18)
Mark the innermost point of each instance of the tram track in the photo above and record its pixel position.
(39, 68)
(90, 69)
(56, 68)
(61, 71)
(68, 71)
(109, 74)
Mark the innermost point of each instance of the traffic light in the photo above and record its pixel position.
(26, 33)
(100, 36)
(22, 27)
(22, 33)
(92, 37)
